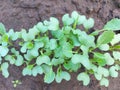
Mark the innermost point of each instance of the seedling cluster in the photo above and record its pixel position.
(56, 51)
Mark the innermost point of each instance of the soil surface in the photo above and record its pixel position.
(19, 14)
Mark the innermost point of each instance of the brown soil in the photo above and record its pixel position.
(19, 14)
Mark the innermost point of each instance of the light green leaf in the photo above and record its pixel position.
(105, 37)
(53, 44)
(27, 71)
(67, 49)
(98, 76)
(10, 58)
(53, 24)
(99, 58)
(86, 40)
(113, 71)
(116, 55)
(19, 61)
(104, 47)
(67, 20)
(62, 75)
(49, 77)
(77, 58)
(103, 71)
(113, 25)
(56, 62)
(13, 35)
(2, 29)
(116, 39)
(84, 77)
(43, 59)
(4, 68)
(88, 23)
(104, 82)
(75, 15)
(72, 67)
(37, 70)
(4, 51)
(109, 59)
(42, 28)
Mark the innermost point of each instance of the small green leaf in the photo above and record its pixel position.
(72, 67)
(43, 59)
(113, 25)
(56, 62)
(37, 70)
(84, 77)
(53, 44)
(67, 49)
(10, 58)
(116, 39)
(109, 59)
(49, 77)
(77, 58)
(103, 71)
(105, 37)
(88, 23)
(113, 71)
(67, 20)
(104, 47)
(116, 55)
(53, 24)
(42, 27)
(4, 68)
(2, 29)
(62, 75)
(104, 82)
(19, 61)
(27, 71)
(4, 51)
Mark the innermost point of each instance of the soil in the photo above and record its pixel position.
(19, 14)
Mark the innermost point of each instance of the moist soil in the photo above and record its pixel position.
(18, 14)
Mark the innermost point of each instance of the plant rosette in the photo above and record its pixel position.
(67, 48)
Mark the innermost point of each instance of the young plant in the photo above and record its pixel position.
(67, 49)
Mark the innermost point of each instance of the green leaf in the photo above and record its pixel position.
(49, 77)
(10, 58)
(100, 59)
(77, 58)
(62, 75)
(104, 82)
(13, 35)
(4, 68)
(53, 24)
(109, 59)
(72, 67)
(37, 70)
(105, 37)
(113, 25)
(57, 34)
(42, 28)
(19, 61)
(53, 44)
(104, 47)
(74, 39)
(67, 20)
(88, 23)
(4, 51)
(27, 71)
(56, 62)
(116, 55)
(43, 59)
(113, 71)
(86, 40)
(103, 71)
(67, 49)
(2, 29)
(84, 77)
(116, 39)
